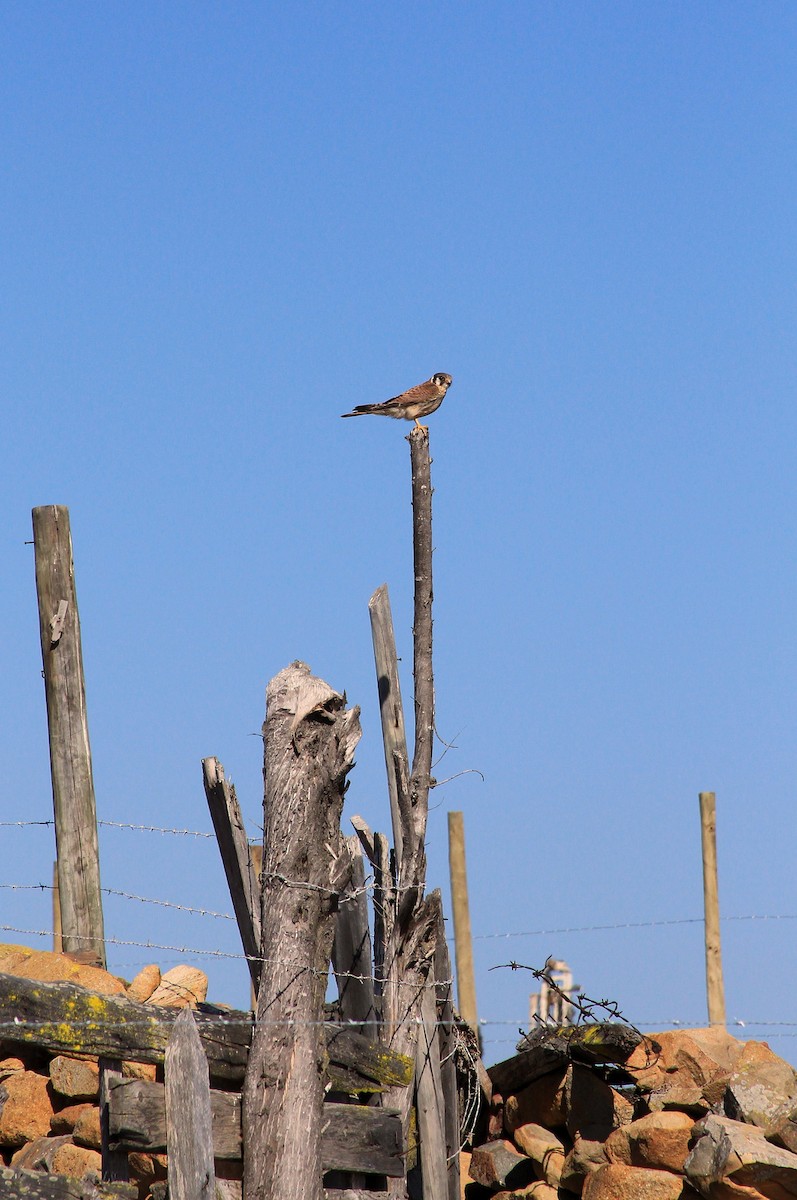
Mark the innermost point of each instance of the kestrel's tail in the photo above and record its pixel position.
(361, 410)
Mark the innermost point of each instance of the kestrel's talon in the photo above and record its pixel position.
(419, 401)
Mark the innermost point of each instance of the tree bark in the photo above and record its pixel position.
(309, 742)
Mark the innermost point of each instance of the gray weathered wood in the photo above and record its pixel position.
(137, 1119)
(351, 949)
(391, 710)
(63, 1018)
(66, 1019)
(309, 741)
(463, 944)
(114, 1164)
(715, 986)
(429, 1097)
(189, 1139)
(410, 932)
(70, 754)
(354, 1137)
(33, 1185)
(448, 1069)
(228, 824)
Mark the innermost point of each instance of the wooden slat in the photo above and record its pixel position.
(351, 949)
(189, 1141)
(354, 1137)
(391, 710)
(225, 813)
(114, 1165)
(64, 1018)
(429, 1098)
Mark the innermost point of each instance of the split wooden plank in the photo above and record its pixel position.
(351, 949)
(354, 1137)
(114, 1165)
(189, 1141)
(392, 714)
(74, 803)
(225, 812)
(429, 1096)
(448, 1068)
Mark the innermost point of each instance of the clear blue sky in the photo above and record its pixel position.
(224, 225)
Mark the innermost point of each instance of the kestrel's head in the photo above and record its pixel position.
(441, 379)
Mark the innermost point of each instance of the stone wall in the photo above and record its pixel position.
(687, 1113)
(49, 1105)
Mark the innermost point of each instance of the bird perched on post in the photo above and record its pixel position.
(419, 401)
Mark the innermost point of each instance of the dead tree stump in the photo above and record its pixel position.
(309, 742)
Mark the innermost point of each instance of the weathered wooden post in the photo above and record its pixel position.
(70, 753)
(189, 1134)
(715, 987)
(236, 857)
(463, 944)
(309, 742)
(409, 919)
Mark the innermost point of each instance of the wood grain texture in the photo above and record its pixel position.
(70, 753)
(189, 1139)
(309, 737)
(225, 812)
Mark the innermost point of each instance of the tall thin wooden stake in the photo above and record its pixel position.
(189, 1135)
(392, 712)
(70, 754)
(463, 944)
(715, 987)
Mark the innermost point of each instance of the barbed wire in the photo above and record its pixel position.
(632, 925)
(197, 952)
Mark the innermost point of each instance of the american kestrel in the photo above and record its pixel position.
(419, 401)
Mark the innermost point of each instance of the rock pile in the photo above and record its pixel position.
(49, 1106)
(605, 1114)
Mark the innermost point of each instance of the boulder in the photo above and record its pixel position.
(87, 1129)
(50, 967)
(728, 1151)
(762, 1089)
(542, 1102)
(585, 1157)
(75, 1078)
(544, 1149)
(593, 1108)
(145, 983)
(182, 987)
(659, 1140)
(498, 1165)
(688, 1059)
(615, 1181)
(78, 1162)
(65, 1119)
(25, 1108)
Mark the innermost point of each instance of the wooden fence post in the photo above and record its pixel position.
(225, 812)
(715, 987)
(463, 945)
(70, 753)
(351, 949)
(309, 742)
(189, 1134)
